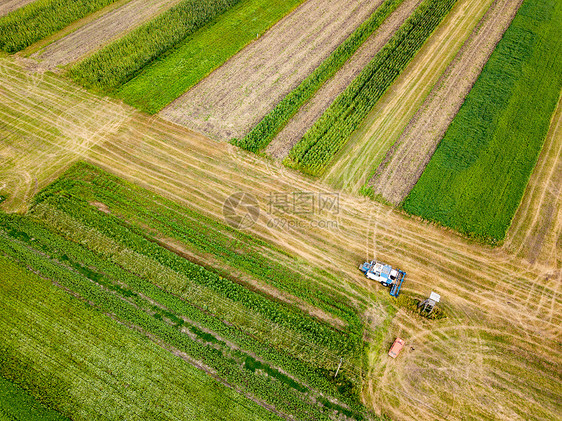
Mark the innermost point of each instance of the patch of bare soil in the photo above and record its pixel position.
(7, 6)
(100, 32)
(235, 97)
(304, 119)
(102, 207)
(406, 160)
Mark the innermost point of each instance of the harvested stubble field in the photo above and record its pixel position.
(42, 132)
(500, 340)
(304, 119)
(407, 158)
(95, 34)
(368, 145)
(232, 99)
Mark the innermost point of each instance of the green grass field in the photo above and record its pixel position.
(88, 233)
(16, 404)
(478, 175)
(174, 73)
(42, 18)
(91, 367)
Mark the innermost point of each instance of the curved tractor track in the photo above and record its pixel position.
(504, 313)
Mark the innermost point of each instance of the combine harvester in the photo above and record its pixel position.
(385, 274)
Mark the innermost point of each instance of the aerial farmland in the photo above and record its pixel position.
(280, 210)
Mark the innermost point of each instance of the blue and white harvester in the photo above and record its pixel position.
(385, 274)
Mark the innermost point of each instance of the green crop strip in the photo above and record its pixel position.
(249, 340)
(313, 153)
(17, 404)
(39, 253)
(477, 176)
(121, 60)
(42, 18)
(175, 72)
(90, 367)
(272, 123)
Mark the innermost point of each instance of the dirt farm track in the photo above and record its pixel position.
(497, 355)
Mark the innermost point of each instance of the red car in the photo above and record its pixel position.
(396, 348)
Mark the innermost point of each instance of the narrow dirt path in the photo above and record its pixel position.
(304, 119)
(101, 31)
(236, 96)
(407, 158)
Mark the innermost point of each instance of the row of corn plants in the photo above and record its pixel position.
(332, 130)
(118, 62)
(264, 132)
(42, 18)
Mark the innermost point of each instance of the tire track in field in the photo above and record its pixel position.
(175, 180)
(407, 158)
(308, 114)
(353, 165)
(236, 96)
(485, 290)
(44, 129)
(100, 32)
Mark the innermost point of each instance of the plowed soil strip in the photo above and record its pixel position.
(303, 120)
(354, 165)
(8, 6)
(406, 160)
(230, 101)
(95, 34)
